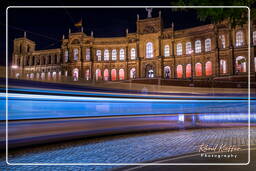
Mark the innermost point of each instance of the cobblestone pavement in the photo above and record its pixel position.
(124, 148)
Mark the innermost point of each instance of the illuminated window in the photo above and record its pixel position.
(207, 45)
(98, 54)
(76, 54)
(37, 76)
(66, 56)
(114, 54)
(133, 53)
(98, 74)
(54, 75)
(121, 55)
(239, 38)
(254, 37)
(167, 72)
(254, 64)
(88, 54)
(188, 70)
(121, 74)
(59, 77)
(179, 49)
(223, 41)
(49, 76)
(179, 71)
(240, 64)
(198, 69)
(133, 73)
(198, 46)
(75, 74)
(32, 76)
(166, 50)
(42, 76)
(188, 48)
(87, 74)
(106, 55)
(208, 68)
(113, 74)
(223, 66)
(149, 50)
(106, 75)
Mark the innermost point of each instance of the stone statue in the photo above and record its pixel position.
(149, 10)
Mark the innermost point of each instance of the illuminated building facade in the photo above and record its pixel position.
(201, 52)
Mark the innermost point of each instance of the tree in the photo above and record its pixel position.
(235, 16)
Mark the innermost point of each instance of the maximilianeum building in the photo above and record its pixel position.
(201, 52)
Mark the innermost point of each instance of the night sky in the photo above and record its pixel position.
(46, 26)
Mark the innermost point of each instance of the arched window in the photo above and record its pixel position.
(239, 38)
(87, 74)
(133, 73)
(121, 54)
(121, 74)
(133, 53)
(179, 71)
(106, 55)
(54, 76)
(42, 76)
(240, 64)
(254, 38)
(106, 75)
(254, 64)
(188, 70)
(198, 69)
(98, 74)
(32, 76)
(114, 54)
(167, 72)
(188, 48)
(166, 50)
(208, 68)
(37, 76)
(198, 48)
(149, 50)
(59, 77)
(87, 54)
(76, 54)
(113, 74)
(49, 76)
(223, 66)
(207, 45)
(179, 49)
(98, 54)
(75, 74)
(66, 55)
(223, 41)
